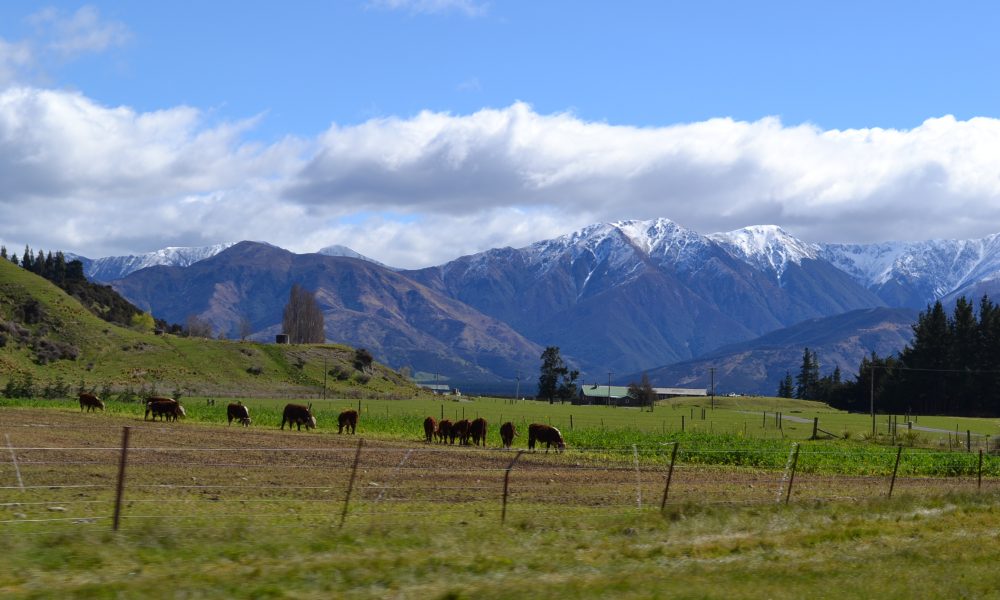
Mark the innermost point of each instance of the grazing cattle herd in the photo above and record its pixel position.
(444, 431)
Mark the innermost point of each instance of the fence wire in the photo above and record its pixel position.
(75, 485)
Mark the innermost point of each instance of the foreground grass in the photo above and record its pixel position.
(901, 548)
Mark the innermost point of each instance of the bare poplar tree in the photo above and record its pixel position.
(302, 319)
(197, 327)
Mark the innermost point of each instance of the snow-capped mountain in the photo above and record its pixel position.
(338, 250)
(914, 274)
(634, 295)
(646, 293)
(112, 268)
(766, 247)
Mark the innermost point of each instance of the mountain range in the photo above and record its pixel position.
(619, 298)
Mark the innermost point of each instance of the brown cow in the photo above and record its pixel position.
(298, 415)
(239, 412)
(507, 433)
(444, 430)
(169, 411)
(545, 433)
(430, 428)
(460, 430)
(159, 400)
(477, 429)
(348, 419)
(90, 402)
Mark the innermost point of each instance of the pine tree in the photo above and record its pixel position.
(786, 388)
(807, 381)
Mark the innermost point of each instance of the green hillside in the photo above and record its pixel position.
(49, 339)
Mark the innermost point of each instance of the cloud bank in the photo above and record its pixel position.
(418, 191)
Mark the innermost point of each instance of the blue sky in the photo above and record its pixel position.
(376, 124)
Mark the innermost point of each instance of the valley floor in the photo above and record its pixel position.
(217, 511)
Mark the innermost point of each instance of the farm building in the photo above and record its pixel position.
(617, 395)
(439, 388)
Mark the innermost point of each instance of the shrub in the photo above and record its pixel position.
(20, 387)
(363, 360)
(339, 373)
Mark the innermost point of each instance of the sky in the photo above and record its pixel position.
(418, 131)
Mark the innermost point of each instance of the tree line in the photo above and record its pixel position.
(951, 366)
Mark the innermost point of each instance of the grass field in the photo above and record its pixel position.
(217, 511)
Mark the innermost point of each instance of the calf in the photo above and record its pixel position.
(348, 419)
(545, 433)
(477, 429)
(239, 412)
(460, 430)
(507, 433)
(444, 430)
(430, 428)
(170, 411)
(298, 415)
(90, 402)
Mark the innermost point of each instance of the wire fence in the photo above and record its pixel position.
(148, 479)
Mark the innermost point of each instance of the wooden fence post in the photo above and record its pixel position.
(638, 477)
(121, 478)
(571, 422)
(968, 440)
(506, 483)
(13, 460)
(979, 478)
(791, 479)
(895, 469)
(815, 427)
(670, 475)
(350, 483)
(682, 423)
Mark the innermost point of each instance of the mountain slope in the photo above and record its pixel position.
(111, 268)
(50, 337)
(757, 366)
(915, 274)
(637, 294)
(365, 305)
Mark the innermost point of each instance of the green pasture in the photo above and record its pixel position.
(737, 432)
(933, 548)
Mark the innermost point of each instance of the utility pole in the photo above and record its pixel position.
(609, 387)
(712, 371)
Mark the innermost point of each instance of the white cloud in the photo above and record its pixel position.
(81, 32)
(57, 38)
(469, 8)
(14, 59)
(419, 191)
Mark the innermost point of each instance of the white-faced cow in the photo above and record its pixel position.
(298, 415)
(507, 433)
(239, 412)
(161, 402)
(347, 419)
(169, 410)
(90, 402)
(538, 432)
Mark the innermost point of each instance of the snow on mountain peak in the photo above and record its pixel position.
(765, 247)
